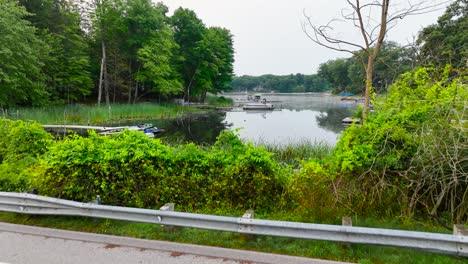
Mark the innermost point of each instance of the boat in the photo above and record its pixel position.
(148, 129)
(350, 120)
(255, 97)
(258, 106)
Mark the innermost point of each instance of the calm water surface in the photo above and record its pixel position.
(296, 118)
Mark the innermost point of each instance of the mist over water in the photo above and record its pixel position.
(297, 118)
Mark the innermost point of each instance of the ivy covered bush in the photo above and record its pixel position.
(411, 155)
(21, 143)
(132, 170)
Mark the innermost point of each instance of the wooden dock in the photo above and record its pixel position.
(77, 127)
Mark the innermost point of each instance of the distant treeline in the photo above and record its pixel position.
(65, 51)
(293, 83)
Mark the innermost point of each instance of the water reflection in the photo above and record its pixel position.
(299, 117)
(201, 129)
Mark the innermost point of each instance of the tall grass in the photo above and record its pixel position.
(85, 114)
(220, 101)
(295, 152)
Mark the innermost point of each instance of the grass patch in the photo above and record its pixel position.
(288, 246)
(86, 114)
(294, 153)
(219, 101)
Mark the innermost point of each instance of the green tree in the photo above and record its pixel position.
(189, 33)
(158, 58)
(108, 32)
(216, 62)
(336, 73)
(22, 54)
(67, 67)
(146, 26)
(447, 41)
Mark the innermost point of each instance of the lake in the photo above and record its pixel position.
(311, 117)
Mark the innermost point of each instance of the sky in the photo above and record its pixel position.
(268, 34)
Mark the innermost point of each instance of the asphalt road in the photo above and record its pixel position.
(26, 244)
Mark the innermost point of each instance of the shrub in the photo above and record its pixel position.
(21, 143)
(411, 154)
(132, 170)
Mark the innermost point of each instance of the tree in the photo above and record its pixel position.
(447, 41)
(158, 58)
(22, 54)
(146, 25)
(188, 33)
(336, 73)
(108, 29)
(67, 67)
(216, 61)
(372, 28)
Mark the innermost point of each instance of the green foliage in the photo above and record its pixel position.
(133, 170)
(21, 143)
(294, 154)
(207, 55)
(349, 75)
(314, 190)
(212, 99)
(157, 57)
(112, 114)
(410, 145)
(22, 55)
(446, 42)
(66, 67)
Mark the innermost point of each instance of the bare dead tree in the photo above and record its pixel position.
(372, 19)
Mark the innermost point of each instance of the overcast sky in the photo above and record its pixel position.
(268, 36)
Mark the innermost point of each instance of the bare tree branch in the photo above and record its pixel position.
(372, 28)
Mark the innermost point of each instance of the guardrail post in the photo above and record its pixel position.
(249, 214)
(97, 200)
(346, 221)
(460, 230)
(168, 207)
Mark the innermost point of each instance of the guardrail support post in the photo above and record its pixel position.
(346, 221)
(168, 207)
(460, 230)
(249, 214)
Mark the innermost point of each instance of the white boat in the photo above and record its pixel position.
(148, 129)
(258, 106)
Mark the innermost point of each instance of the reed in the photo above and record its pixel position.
(86, 114)
(295, 152)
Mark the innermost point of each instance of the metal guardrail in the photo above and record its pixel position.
(440, 243)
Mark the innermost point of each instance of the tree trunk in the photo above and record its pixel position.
(203, 96)
(130, 84)
(106, 82)
(101, 74)
(136, 93)
(369, 73)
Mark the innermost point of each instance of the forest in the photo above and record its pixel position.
(108, 51)
(293, 83)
